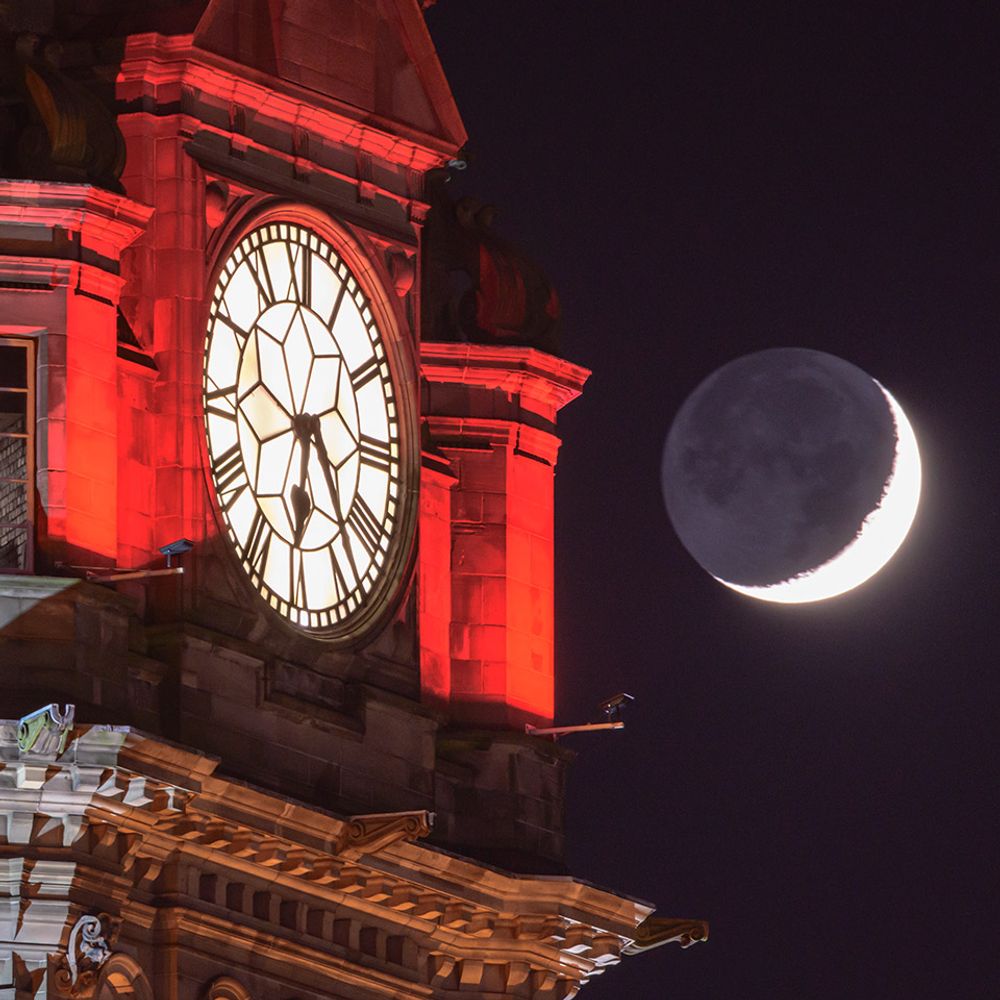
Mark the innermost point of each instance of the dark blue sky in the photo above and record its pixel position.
(701, 181)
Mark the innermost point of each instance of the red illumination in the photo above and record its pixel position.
(122, 470)
(500, 559)
(70, 238)
(434, 581)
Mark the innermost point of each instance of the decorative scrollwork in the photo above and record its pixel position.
(86, 952)
(656, 931)
(366, 834)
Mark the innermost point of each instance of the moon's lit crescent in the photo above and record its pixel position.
(880, 535)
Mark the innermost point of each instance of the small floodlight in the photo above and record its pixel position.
(177, 548)
(612, 707)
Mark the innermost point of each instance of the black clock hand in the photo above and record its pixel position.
(301, 502)
(334, 494)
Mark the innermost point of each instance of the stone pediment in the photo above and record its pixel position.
(374, 55)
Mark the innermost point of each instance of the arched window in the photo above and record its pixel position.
(121, 977)
(226, 988)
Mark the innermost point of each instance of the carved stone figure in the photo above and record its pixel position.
(476, 286)
(53, 124)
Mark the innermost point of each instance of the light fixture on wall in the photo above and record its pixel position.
(612, 709)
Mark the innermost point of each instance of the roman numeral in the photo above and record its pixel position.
(363, 374)
(339, 581)
(365, 524)
(228, 467)
(227, 407)
(336, 306)
(258, 541)
(227, 500)
(374, 453)
(298, 578)
(226, 320)
(257, 263)
(300, 265)
(229, 390)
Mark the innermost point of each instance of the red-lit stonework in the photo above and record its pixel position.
(491, 412)
(283, 831)
(59, 287)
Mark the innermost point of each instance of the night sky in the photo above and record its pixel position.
(703, 180)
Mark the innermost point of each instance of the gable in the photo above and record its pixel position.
(375, 55)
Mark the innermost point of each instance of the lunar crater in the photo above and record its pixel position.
(775, 462)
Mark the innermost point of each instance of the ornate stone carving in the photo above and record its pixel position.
(656, 931)
(478, 287)
(86, 952)
(317, 883)
(53, 126)
(44, 731)
(367, 834)
(226, 988)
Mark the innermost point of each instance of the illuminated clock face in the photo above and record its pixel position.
(302, 426)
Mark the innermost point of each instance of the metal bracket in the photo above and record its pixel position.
(557, 731)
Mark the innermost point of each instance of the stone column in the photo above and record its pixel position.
(491, 411)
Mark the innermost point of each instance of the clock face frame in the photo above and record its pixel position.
(306, 432)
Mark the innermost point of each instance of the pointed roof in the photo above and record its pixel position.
(375, 55)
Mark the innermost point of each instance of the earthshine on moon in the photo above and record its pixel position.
(791, 475)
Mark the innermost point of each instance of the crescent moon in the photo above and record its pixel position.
(880, 535)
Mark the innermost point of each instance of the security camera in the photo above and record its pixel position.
(613, 706)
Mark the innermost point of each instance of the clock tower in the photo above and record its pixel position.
(277, 442)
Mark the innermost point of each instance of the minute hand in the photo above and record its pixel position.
(334, 493)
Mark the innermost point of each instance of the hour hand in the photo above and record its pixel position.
(301, 501)
(301, 508)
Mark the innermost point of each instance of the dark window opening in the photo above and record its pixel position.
(17, 451)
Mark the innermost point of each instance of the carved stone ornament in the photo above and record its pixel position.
(55, 123)
(45, 731)
(367, 834)
(476, 286)
(656, 931)
(86, 952)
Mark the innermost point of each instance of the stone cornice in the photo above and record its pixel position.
(142, 826)
(523, 371)
(105, 222)
(158, 68)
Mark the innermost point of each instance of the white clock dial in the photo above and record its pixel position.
(302, 427)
